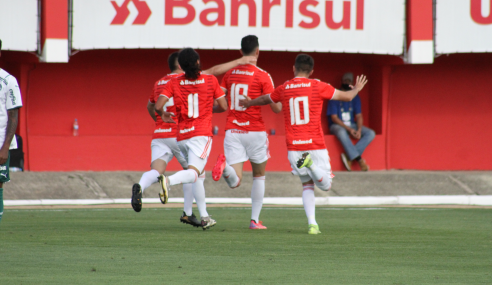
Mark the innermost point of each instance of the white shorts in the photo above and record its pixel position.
(196, 151)
(320, 158)
(165, 149)
(240, 146)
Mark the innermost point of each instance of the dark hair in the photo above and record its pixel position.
(249, 44)
(304, 63)
(172, 61)
(187, 59)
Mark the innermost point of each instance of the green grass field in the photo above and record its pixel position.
(357, 246)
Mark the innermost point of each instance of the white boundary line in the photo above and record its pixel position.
(470, 200)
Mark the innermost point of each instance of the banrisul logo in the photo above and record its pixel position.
(122, 12)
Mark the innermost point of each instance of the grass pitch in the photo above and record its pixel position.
(357, 246)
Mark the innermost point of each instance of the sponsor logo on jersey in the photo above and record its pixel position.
(184, 131)
(162, 82)
(12, 97)
(241, 124)
(3, 168)
(239, 132)
(187, 82)
(302, 142)
(163, 130)
(300, 85)
(243, 72)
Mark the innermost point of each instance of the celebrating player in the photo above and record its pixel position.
(302, 99)
(193, 93)
(164, 145)
(245, 131)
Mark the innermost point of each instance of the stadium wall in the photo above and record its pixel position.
(425, 116)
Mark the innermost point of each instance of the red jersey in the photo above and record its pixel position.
(302, 101)
(246, 80)
(163, 130)
(194, 100)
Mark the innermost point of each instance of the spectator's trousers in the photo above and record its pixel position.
(352, 151)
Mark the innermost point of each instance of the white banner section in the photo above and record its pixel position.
(353, 26)
(19, 25)
(463, 26)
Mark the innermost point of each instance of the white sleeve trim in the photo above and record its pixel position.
(220, 97)
(333, 95)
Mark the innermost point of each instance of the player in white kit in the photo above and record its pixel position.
(10, 102)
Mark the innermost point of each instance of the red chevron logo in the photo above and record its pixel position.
(122, 12)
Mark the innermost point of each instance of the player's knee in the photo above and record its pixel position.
(324, 185)
(198, 172)
(371, 135)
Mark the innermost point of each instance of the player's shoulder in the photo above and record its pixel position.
(165, 79)
(260, 70)
(319, 82)
(207, 77)
(5, 75)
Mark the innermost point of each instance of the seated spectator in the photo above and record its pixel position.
(345, 121)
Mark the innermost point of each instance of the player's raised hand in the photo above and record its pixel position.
(167, 117)
(247, 60)
(360, 82)
(245, 102)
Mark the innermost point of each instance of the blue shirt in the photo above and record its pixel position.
(351, 109)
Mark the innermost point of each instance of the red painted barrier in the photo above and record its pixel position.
(426, 117)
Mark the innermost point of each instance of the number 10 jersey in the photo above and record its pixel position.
(302, 101)
(246, 80)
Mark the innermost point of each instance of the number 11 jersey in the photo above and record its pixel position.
(194, 100)
(246, 80)
(302, 101)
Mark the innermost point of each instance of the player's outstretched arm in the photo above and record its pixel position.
(260, 101)
(276, 107)
(360, 82)
(151, 110)
(223, 68)
(221, 105)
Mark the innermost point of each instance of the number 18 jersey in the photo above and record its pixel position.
(246, 80)
(194, 100)
(302, 101)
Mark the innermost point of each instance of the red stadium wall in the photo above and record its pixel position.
(440, 114)
(425, 116)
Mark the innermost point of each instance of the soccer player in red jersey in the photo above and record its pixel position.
(194, 94)
(164, 145)
(246, 138)
(302, 100)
